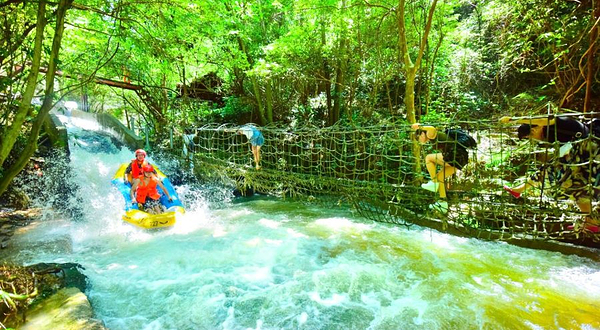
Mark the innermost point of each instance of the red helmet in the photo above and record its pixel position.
(148, 168)
(140, 151)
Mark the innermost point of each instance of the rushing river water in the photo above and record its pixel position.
(265, 263)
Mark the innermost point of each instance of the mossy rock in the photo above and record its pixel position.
(15, 198)
(67, 309)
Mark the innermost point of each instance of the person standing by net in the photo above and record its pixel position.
(573, 173)
(556, 129)
(452, 156)
(256, 140)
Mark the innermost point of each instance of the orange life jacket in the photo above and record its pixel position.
(147, 190)
(136, 170)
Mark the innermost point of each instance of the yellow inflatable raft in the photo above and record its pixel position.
(143, 219)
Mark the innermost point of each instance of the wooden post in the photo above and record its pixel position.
(147, 139)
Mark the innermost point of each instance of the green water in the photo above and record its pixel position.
(274, 264)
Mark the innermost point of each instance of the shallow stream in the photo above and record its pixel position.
(265, 263)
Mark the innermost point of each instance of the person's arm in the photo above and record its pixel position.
(133, 190)
(529, 121)
(430, 131)
(164, 189)
(127, 171)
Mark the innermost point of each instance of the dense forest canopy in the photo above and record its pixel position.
(185, 63)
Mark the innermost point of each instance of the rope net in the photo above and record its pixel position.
(375, 170)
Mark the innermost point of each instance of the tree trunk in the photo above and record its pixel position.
(238, 81)
(85, 105)
(410, 69)
(340, 77)
(255, 83)
(432, 73)
(334, 116)
(269, 100)
(409, 94)
(589, 79)
(12, 47)
(258, 97)
(164, 95)
(31, 145)
(325, 84)
(10, 134)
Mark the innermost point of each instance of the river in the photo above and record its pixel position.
(266, 263)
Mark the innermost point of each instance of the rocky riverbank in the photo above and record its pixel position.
(16, 209)
(48, 296)
(45, 296)
(11, 220)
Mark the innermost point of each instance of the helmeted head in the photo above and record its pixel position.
(148, 169)
(140, 154)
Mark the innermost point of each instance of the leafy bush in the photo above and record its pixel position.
(234, 108)
(434, 117)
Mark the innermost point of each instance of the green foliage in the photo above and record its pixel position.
(481, 57)
(118, 112)
(434, 117)
(234, 108)
(526, 102)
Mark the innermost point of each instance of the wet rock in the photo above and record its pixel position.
(67, 309)
(48, 280)
(67, 274)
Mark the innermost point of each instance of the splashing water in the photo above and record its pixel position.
(272, 264)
